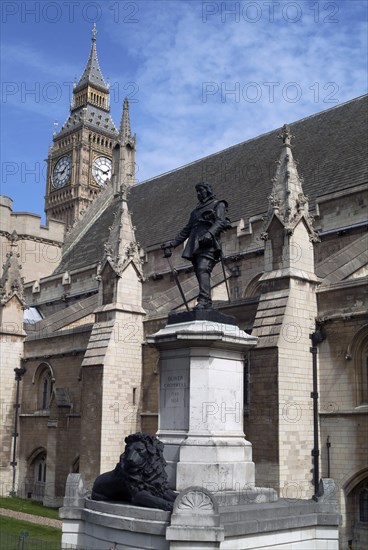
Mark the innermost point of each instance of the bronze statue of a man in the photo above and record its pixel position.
(206, 222)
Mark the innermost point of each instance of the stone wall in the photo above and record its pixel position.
(52, 426)
(344, 411)
(295, 383)
(261, 422)
(90, 440)
(150, 379)
(121, 393)
(39, 245)
(11, 353)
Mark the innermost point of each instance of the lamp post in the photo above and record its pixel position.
(19, 373)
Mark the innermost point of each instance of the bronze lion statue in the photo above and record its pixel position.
(139, 477)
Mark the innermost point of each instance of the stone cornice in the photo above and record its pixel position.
(24, 237)
(343, 285)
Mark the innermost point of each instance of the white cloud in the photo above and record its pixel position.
(171, 52)
(182, 54)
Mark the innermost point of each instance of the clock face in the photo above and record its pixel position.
(62, 171)
(101, 170)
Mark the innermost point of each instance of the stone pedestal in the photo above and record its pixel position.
(201, 405)
(199, 522)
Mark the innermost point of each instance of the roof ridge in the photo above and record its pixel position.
(201, 159)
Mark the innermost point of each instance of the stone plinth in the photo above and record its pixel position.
(201, 405)
(200, 522)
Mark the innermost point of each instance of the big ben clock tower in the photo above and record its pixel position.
(80, 158)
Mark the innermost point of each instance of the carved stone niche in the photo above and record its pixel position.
(195, 518)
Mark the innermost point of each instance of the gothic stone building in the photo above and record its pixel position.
(76, 309)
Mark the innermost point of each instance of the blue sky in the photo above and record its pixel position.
(200, 76)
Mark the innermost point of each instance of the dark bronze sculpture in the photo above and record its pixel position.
(203, 248)
(139, 477)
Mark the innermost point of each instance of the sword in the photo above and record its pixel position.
(167, 255)
(223, 270)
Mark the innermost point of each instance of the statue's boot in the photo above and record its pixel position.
(203, 304)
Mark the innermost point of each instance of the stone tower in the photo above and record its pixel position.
(80, 158)
(12, 336)
(285, 319)
(111, 369)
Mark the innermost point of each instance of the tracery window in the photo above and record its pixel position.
(46, 390)
(364, 375)
(40, 469)
(45, 383)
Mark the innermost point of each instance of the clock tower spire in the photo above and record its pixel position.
(79, 160)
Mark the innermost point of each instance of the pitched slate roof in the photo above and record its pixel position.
(90, 248)
(90, 116)
(344, 262)
(330, 147)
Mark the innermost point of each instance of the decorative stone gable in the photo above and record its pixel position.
(11, 282)
(120, 271)
(287, 201)
(288, 231)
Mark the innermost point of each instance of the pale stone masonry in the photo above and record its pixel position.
(201, 392)
(114, 346)
(288, 319)
(201, 520)
(92, 377)
(39, 246)
(12, 334)
(11, 354)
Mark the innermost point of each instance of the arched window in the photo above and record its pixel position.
(253, 287)
(363, 505)
(36, 474)
(358, 352)
(44, 379)
(40, 469)
(356, 493)
(46, 390)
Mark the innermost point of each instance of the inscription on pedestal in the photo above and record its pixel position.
(174, 400)
(174, 389)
